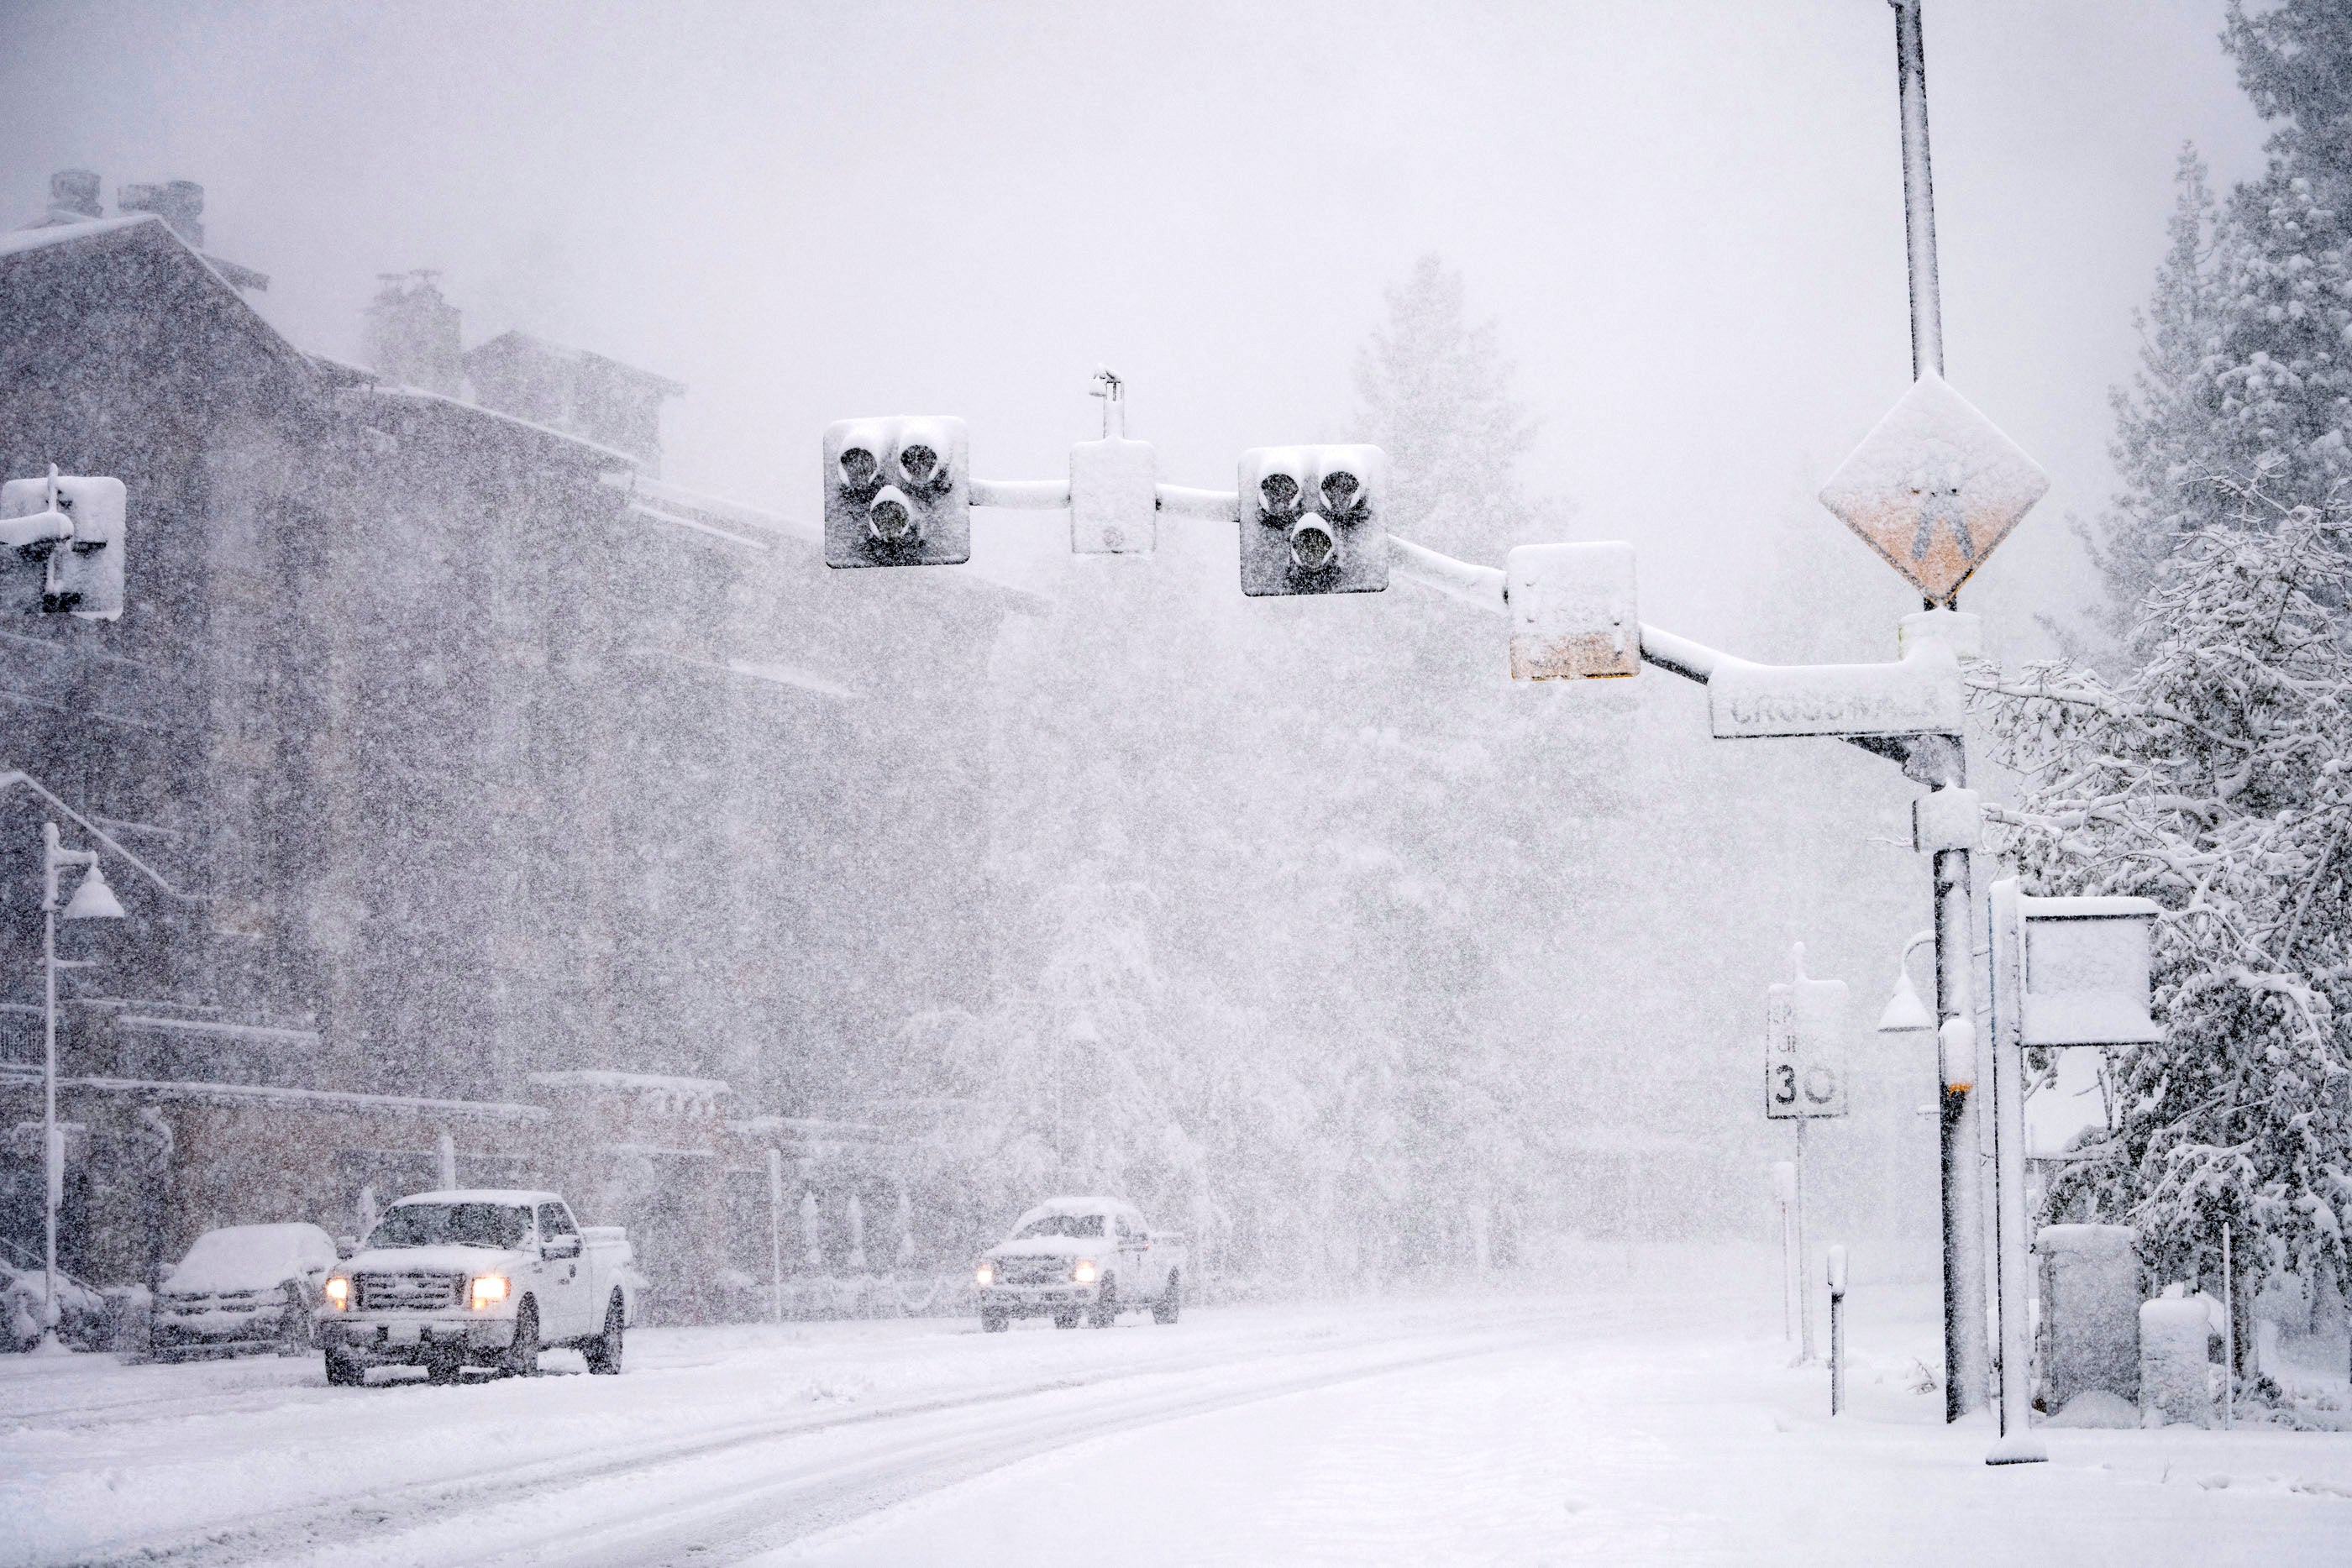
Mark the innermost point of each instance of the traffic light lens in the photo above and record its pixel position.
(1280, 490)
(891, 520)
(919, 463)
(1340, 491)
(859, 467)
(1312, 546)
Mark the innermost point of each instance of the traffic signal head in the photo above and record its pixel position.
(1311, 520)
(896, 493)
(61, 543)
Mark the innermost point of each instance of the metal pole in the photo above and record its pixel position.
(1966, 1356)
(2228, 1333)
(2016, 1445)
(1804, 1290)
(1837, 1328)
(52, 1162)
(776, 1228)
(1919, 192)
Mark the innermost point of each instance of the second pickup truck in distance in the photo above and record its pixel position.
(1073, 1257)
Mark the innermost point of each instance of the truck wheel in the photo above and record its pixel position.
(522, 1357)
(604, 1350)
(995, 1322)
(1171, 1301)
(1107, 1303)
(345, 1371)
(1066, 1320)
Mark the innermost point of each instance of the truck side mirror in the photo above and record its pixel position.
(345, 1245)
(559, 1246)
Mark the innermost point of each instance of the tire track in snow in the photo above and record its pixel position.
(546, 1519)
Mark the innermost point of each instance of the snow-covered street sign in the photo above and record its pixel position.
(1573, 611)
(1935, 487)
(2087, 971)
(1916, 695)
(1804, 1049)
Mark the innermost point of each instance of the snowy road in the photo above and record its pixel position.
(1622, 1429)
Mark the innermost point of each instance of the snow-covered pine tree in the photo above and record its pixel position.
(2215, 777)
(2246, 370)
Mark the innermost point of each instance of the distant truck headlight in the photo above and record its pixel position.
(339, 1293)
(487, 1290)
(985, 1274)
(1085, 1272)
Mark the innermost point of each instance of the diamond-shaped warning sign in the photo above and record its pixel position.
(1935, 487)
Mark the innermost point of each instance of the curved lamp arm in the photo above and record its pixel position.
(26, 779)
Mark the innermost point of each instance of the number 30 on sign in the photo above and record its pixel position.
(1803, 1073)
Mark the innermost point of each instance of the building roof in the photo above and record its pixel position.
(513, 345)
(148, 234)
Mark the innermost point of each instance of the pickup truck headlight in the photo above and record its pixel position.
(487, 1290)
(1085, 1272)
(339, 1293)
(985, 1274)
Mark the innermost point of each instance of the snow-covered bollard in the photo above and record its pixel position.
(2176, 1333)
(2090, 1312)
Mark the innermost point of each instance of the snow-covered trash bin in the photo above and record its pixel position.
(2090, 1321)
(2177, 1332)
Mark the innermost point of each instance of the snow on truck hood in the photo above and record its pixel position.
(445, 1258)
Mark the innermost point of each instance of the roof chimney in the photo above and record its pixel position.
(179, 203)
(412, 334)
(73, 197)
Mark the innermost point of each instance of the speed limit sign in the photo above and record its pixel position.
(1804, 1056)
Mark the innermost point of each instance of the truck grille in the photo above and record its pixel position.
(410, 1293)
(1034, 1271)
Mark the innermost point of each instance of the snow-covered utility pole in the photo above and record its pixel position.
(776, 1229)
(1919, 192)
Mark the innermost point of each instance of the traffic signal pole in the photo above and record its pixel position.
(1966, 1351)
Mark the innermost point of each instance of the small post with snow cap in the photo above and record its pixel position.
(1837, 1328)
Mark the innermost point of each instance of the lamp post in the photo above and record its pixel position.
(92, 900)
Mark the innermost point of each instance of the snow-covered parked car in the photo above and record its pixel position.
(479, 1278)
(1073, 1257)
(243, 1286)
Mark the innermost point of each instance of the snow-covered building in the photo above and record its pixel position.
(492, 755)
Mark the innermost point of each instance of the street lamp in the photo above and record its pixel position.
(1906, 1013)
(92, 900)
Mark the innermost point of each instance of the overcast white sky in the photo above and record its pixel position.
(1686, 215)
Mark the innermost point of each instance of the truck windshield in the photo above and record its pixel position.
(1078, 1225)
(451, 1224)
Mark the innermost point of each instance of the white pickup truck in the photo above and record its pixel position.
(1073, 1257)
(483, 1278)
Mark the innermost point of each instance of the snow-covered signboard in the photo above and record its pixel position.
(2087, 971)
(1935, 487)
(1917, 694)
(1573, 611)
(1804, 1054)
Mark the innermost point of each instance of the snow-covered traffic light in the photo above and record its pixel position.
(61, 542)
(896, 493)
(1311, 520)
